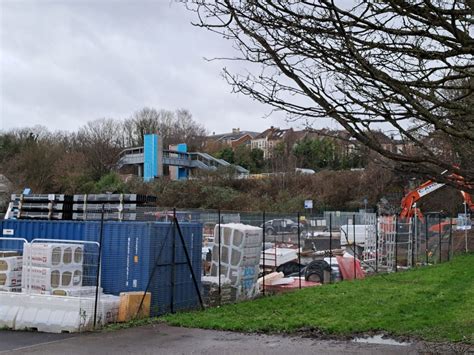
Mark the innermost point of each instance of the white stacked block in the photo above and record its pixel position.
(11, 263)
(51, 266)
(44, 279)
(239, 256)
(10, 289)
(10, 279)
(54, 254)
(10, 273)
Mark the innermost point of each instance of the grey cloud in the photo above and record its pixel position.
(66, 62)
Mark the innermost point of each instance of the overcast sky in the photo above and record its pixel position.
(66, 62)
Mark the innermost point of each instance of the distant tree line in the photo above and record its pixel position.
(82, 161)
(309, 153)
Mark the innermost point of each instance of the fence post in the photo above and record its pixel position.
(413, 238)
(99, 258)
(439, 237)
(354, 244)
(450, 238)
(219, 254)
(190, 264)
(173, 261)
(330, 246)
(416, 245)
(264, 232)
(299, 250)
(396, 244)
(426, 240)
(376, 242)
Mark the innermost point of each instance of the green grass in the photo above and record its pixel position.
(432, 303)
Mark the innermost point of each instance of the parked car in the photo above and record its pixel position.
(278, 226)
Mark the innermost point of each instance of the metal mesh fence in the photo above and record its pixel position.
(167, 260)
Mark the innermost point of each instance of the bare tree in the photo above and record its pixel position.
(400, 65)
(187, 130)
(174, 127)
(33, 165)
(100, 142)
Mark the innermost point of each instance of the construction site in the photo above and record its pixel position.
(236, 177)
(75, 263)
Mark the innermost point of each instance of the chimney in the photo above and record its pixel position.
(235, 130)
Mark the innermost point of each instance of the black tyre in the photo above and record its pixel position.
(270, 231)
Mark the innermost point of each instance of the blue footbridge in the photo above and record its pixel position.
(152, 160)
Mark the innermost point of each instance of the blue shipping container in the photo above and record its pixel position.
(130, 251)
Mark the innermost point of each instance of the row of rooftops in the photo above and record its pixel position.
(276, 133)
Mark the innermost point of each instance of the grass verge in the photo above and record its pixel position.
(431, 303)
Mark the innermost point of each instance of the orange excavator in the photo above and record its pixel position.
(409, 201)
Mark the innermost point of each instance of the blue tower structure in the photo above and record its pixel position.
(153, 156)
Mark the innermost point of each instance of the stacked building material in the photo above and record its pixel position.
(118, 207)
(10, 271)
(275, 257)
(49, 267)
(40, 206)
(239, 257)
(210, 292)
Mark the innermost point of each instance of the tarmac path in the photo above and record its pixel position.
(163, 339)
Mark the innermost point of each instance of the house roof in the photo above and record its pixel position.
(273, 133)
(232, 135)
(321, 133)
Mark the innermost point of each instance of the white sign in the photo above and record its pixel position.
(8, 232)
(464, 222)
(308, 204)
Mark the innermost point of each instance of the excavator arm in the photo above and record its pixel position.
(468, 200)
(408, 204)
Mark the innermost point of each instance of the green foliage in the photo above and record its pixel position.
(257, 158)
(217, 197)
(434, 303)
(88, 187)
(315, 153)
(325, 153)
(227, 154)
(196, 194)
(250, 159)
(110, 183)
